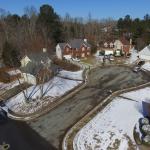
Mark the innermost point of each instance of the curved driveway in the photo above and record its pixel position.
(55, 124)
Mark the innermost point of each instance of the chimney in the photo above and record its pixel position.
(130, 44)
(44, 50)
(130, 41)
(85, 40)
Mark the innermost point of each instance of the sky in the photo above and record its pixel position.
(99, 9)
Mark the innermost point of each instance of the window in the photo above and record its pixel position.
(105, 44)
(88, 53)
(83, 48)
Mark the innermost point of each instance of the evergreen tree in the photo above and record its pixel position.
(50, 22)
(10, 55)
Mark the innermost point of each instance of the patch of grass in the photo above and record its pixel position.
(66, 65)
(89, 60)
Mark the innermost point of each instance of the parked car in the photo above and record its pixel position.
(136, 69)
(111, 58)
(140, 63)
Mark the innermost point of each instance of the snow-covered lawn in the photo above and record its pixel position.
(26, 78)
(112, 128)
(7, 86)
(51, 90)
(71, 75)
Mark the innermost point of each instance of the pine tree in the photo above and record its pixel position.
(10, 55)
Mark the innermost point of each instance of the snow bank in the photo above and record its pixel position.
(52, 89)
(71, 75)
(146, 66)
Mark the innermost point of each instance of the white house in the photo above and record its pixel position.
(59, 48)
(24, 61)
(41, 57)
(145, 53)
(117, 46)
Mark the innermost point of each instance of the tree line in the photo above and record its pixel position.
(44, 28)
(137, 29)
(30, 32)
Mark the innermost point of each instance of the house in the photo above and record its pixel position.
(33, 62)
(117, 47)
(145, 53)
(41, 57)
(9, 74)
(76, 48)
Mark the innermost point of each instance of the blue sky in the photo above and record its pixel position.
(99, 9)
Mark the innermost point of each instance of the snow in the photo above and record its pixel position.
(25, 78)
(145, 53)
(133, 58)
(71, 75)
(113, 126)
(14, 72)
(29, 78)
(138, 95)
(7, 86)
(146, 66)
(68, 57)
(53, 89)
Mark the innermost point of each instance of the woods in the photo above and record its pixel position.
(44, 28)
(32, 31)
(137, 29)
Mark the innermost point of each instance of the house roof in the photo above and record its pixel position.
(62, 45)
(38, 56)
(145, 51)
(75, 43)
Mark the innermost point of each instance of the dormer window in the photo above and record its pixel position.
(83, 48)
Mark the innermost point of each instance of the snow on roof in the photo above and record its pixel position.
(146, 66)
(145, 51)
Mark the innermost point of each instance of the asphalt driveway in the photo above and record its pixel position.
(55, 124)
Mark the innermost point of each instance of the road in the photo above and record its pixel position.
(55, 124)
(21, 137)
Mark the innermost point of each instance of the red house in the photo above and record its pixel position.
(76, 48)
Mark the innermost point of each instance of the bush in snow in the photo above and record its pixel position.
(143, 121)
(146, 140)
(145, 129)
